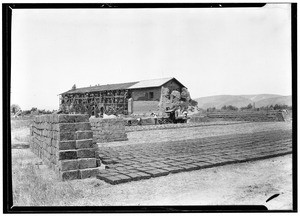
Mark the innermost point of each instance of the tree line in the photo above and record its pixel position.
(250, 107)
(15, 109)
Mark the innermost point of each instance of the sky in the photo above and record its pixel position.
(221, 51)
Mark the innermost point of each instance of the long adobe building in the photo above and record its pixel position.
(123, 98)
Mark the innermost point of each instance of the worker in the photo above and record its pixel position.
(185, 114)
(178, 112)
(139, 120)
(155, 118)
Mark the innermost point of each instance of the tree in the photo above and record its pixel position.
(229, 108)
(193, 102)
(232, 108)
(224, 107)
(280, 106)
(249, 106)
(26, 112)
(185, 95)
(14, 108)
(74, 87)
(211, 109)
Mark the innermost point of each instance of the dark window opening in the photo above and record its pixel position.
(151, 95)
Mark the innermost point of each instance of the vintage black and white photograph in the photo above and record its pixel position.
(152, 106)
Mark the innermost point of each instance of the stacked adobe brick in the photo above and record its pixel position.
(108, 130)
(65, 144)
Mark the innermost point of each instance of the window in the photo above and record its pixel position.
(151, 95)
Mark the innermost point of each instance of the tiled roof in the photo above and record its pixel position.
(129, 85)
(150, 83)
(101, 88)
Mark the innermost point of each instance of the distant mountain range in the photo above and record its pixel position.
(260, 100)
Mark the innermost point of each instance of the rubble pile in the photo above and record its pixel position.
(174, 99)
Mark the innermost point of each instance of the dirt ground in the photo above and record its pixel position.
(241, 184)
(140, 137)
(250, 183)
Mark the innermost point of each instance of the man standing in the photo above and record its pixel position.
(155, 118)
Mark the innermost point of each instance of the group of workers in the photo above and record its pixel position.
(178, 115)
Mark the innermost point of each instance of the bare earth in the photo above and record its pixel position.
(140, 137)
(242, 184)
(250, 183)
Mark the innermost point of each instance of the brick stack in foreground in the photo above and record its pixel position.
(65, 144)
(108, 130)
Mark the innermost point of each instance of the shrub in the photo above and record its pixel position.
(193, 102)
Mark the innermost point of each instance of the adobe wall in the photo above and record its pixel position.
(172, 85)
(108, 130)
(145, 107)
(144, 94)
(65, 144)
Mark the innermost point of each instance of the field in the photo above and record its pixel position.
(251, 182)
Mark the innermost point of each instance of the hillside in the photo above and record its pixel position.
(282, 100)
(259, 97)
(219, 101)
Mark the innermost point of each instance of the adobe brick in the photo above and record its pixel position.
(84, 135)
(86, 143)
(66, 145)
(66, 118)
(69, 175)
(67, 155)
(87, 163)
(63, 136)
(86, 153)
(87, 173)
(66, 165)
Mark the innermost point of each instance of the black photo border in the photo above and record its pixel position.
(6, 66)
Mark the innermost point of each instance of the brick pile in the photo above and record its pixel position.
(65, 144)
(108, 130)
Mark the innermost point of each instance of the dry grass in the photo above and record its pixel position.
(36, 185)
(20, 123)
(33, 183)
(238, 184)
(20, 131)
(20, 135)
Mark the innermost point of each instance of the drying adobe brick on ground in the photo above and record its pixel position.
(143, 160)
(66, 143)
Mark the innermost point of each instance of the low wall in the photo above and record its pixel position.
(178, 125)
(65, 144)
(195, 119)
(257, 116)
(108, 130)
